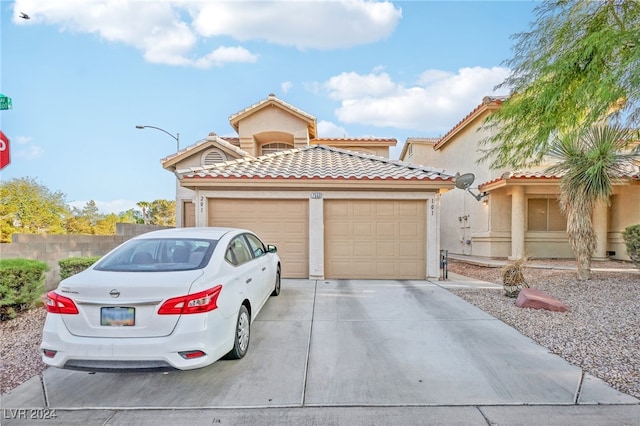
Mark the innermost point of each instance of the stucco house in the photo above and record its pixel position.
(516, 212)
(336, 208)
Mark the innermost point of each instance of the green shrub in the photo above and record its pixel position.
(72, 265)
(21, 285)
(631, 235)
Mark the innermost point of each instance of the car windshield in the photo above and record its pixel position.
(158, 255)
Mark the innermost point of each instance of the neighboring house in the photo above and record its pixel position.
(336, 208)
(518, 212)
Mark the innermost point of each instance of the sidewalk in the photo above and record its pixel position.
(583, 415)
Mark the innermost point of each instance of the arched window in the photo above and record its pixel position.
(270, 148)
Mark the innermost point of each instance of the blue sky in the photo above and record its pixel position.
(83, 73)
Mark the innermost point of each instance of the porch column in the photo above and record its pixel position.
(600, 219)
(518, 212)
(316, 236)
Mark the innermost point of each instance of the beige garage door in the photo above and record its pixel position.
(280, 222)
(375, 239)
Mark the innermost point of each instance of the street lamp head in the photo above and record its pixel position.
(176, 136)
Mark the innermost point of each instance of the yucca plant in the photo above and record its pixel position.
(591, 162)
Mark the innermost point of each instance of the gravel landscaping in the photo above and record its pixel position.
(600, 333)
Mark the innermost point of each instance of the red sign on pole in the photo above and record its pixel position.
(4, 151)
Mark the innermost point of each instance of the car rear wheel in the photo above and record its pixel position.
(242, 335)
(276, 289)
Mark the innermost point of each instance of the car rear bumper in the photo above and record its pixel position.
(214, 337)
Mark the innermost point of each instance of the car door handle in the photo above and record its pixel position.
(248, 280)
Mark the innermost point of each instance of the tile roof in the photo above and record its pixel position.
(488, 103)
(420, 140)
(271, 100)
(629, 172)
(208, 140)
(416, 141)
(343, 141)
(316, 162)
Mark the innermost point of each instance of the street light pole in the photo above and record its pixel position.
(176, 136)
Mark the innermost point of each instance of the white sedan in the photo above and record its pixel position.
(176, 298)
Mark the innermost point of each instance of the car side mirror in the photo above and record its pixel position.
(271, 248)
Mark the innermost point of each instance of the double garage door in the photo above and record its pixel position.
(368, 239)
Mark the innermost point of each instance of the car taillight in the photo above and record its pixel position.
(57, 304)
(49, 353)
(191, 354)
(196, 303)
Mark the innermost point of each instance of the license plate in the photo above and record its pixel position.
(117, 316)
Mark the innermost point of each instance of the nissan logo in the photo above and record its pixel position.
(114, 293)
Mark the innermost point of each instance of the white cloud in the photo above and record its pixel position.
(286, 86)
(303, 24)
(106, 207)
(356, 86)
(168, 32)
(224, 55)
(23, 148)
(433, 104)
(23, 140)
(327, 129)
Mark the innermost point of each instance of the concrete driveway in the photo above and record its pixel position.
(349, 343)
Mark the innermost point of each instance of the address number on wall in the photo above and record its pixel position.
(316, 195)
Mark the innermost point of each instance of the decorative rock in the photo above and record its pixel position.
(536, 299)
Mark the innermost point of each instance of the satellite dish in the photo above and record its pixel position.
(464, 181)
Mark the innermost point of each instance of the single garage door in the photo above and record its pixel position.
(375, 239)
(281, 222)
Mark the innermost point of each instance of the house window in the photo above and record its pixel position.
(270, 148)
(544, 215)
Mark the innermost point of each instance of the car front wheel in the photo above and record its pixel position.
(242, 335)
(276, 289)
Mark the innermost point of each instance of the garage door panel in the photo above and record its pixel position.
(361, 209)
(334, 209)
(363, 248)
(407, 229)
(280, 222)
(409, 250)
(385, 268)
(386, 229)
(385, 210)
(409, 270)
(361, 268)
(375, 239)
(361, 229)
(342, 249)
(386, 249)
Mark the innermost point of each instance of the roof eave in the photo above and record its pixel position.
(169, 162)
(479, 111)
(315, 183)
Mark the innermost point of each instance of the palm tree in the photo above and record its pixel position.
(590, 162)
(144, 205)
